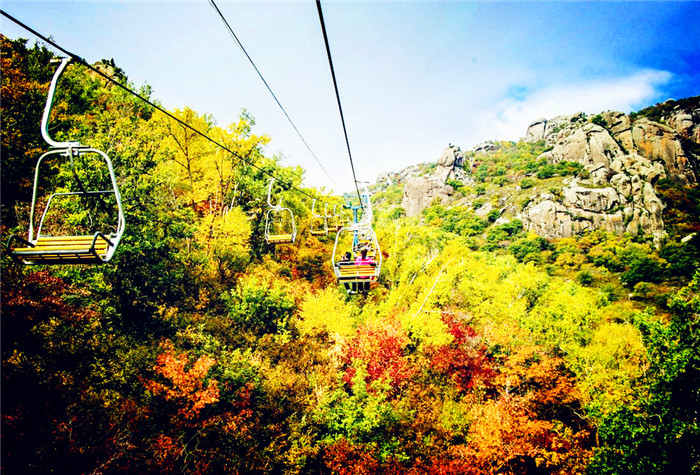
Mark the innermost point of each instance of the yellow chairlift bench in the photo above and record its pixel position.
(318, 232)
(352, 271)
(356, 278)
(65, 249)
(280, 238)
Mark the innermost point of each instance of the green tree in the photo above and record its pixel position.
(663, 435)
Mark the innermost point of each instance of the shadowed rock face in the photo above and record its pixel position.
(662, 143)
(624, 160)
(536, 130)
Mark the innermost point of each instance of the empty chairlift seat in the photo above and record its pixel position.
(98, 246)
(65, 249)
(280, 238)
(275, 216)
(319, 224)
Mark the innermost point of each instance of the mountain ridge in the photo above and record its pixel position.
(581, 172)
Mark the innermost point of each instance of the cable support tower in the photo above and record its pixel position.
(269, 89)
(337, 96)
(78, 59)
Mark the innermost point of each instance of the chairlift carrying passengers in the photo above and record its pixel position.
(364, 265)
(97, 247)
(357, 273)
(276, 230)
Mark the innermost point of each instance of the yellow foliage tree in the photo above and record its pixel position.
(225, 241)
(327, 311)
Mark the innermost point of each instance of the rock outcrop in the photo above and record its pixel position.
(683, 116)
(420, 191)
(623, 155)
(624, 159)
(584, 209)
(552, 130)
(686, 123)
(659, 142)
(536, 130)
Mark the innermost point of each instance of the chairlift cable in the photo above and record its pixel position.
(337, 96)
(269, 89)
(109, 78)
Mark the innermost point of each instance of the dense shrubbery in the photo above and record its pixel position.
(456, 184)
(529, 248)
(526, 183)
(599, 120)
(258, 307)
(682, 207)
(514, 159)
(454, 220)
(397, 212)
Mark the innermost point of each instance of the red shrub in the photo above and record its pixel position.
(344, 458)
(464, 360)
(382, 350)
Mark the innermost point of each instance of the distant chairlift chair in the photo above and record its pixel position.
(39, 248)
(335, 221)
(277, 211)
(319, 224)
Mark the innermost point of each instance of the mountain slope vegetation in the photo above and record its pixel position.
(200, 348)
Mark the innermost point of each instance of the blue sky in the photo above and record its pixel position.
(413, 75)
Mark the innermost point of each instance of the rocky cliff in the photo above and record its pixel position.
(622, 158)
(421, 191)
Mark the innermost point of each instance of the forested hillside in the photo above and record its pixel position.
(200, 348)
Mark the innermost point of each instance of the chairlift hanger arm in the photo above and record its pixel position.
(49, 103)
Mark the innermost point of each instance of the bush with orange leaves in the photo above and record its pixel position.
(345, 458)
(182, 385)
(185, 387)
(532, 424)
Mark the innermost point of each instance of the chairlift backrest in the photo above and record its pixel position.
(272, 205)
(320, 220)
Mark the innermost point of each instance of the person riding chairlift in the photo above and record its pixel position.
(363, 260)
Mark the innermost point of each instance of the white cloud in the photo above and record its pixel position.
(511, 117)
